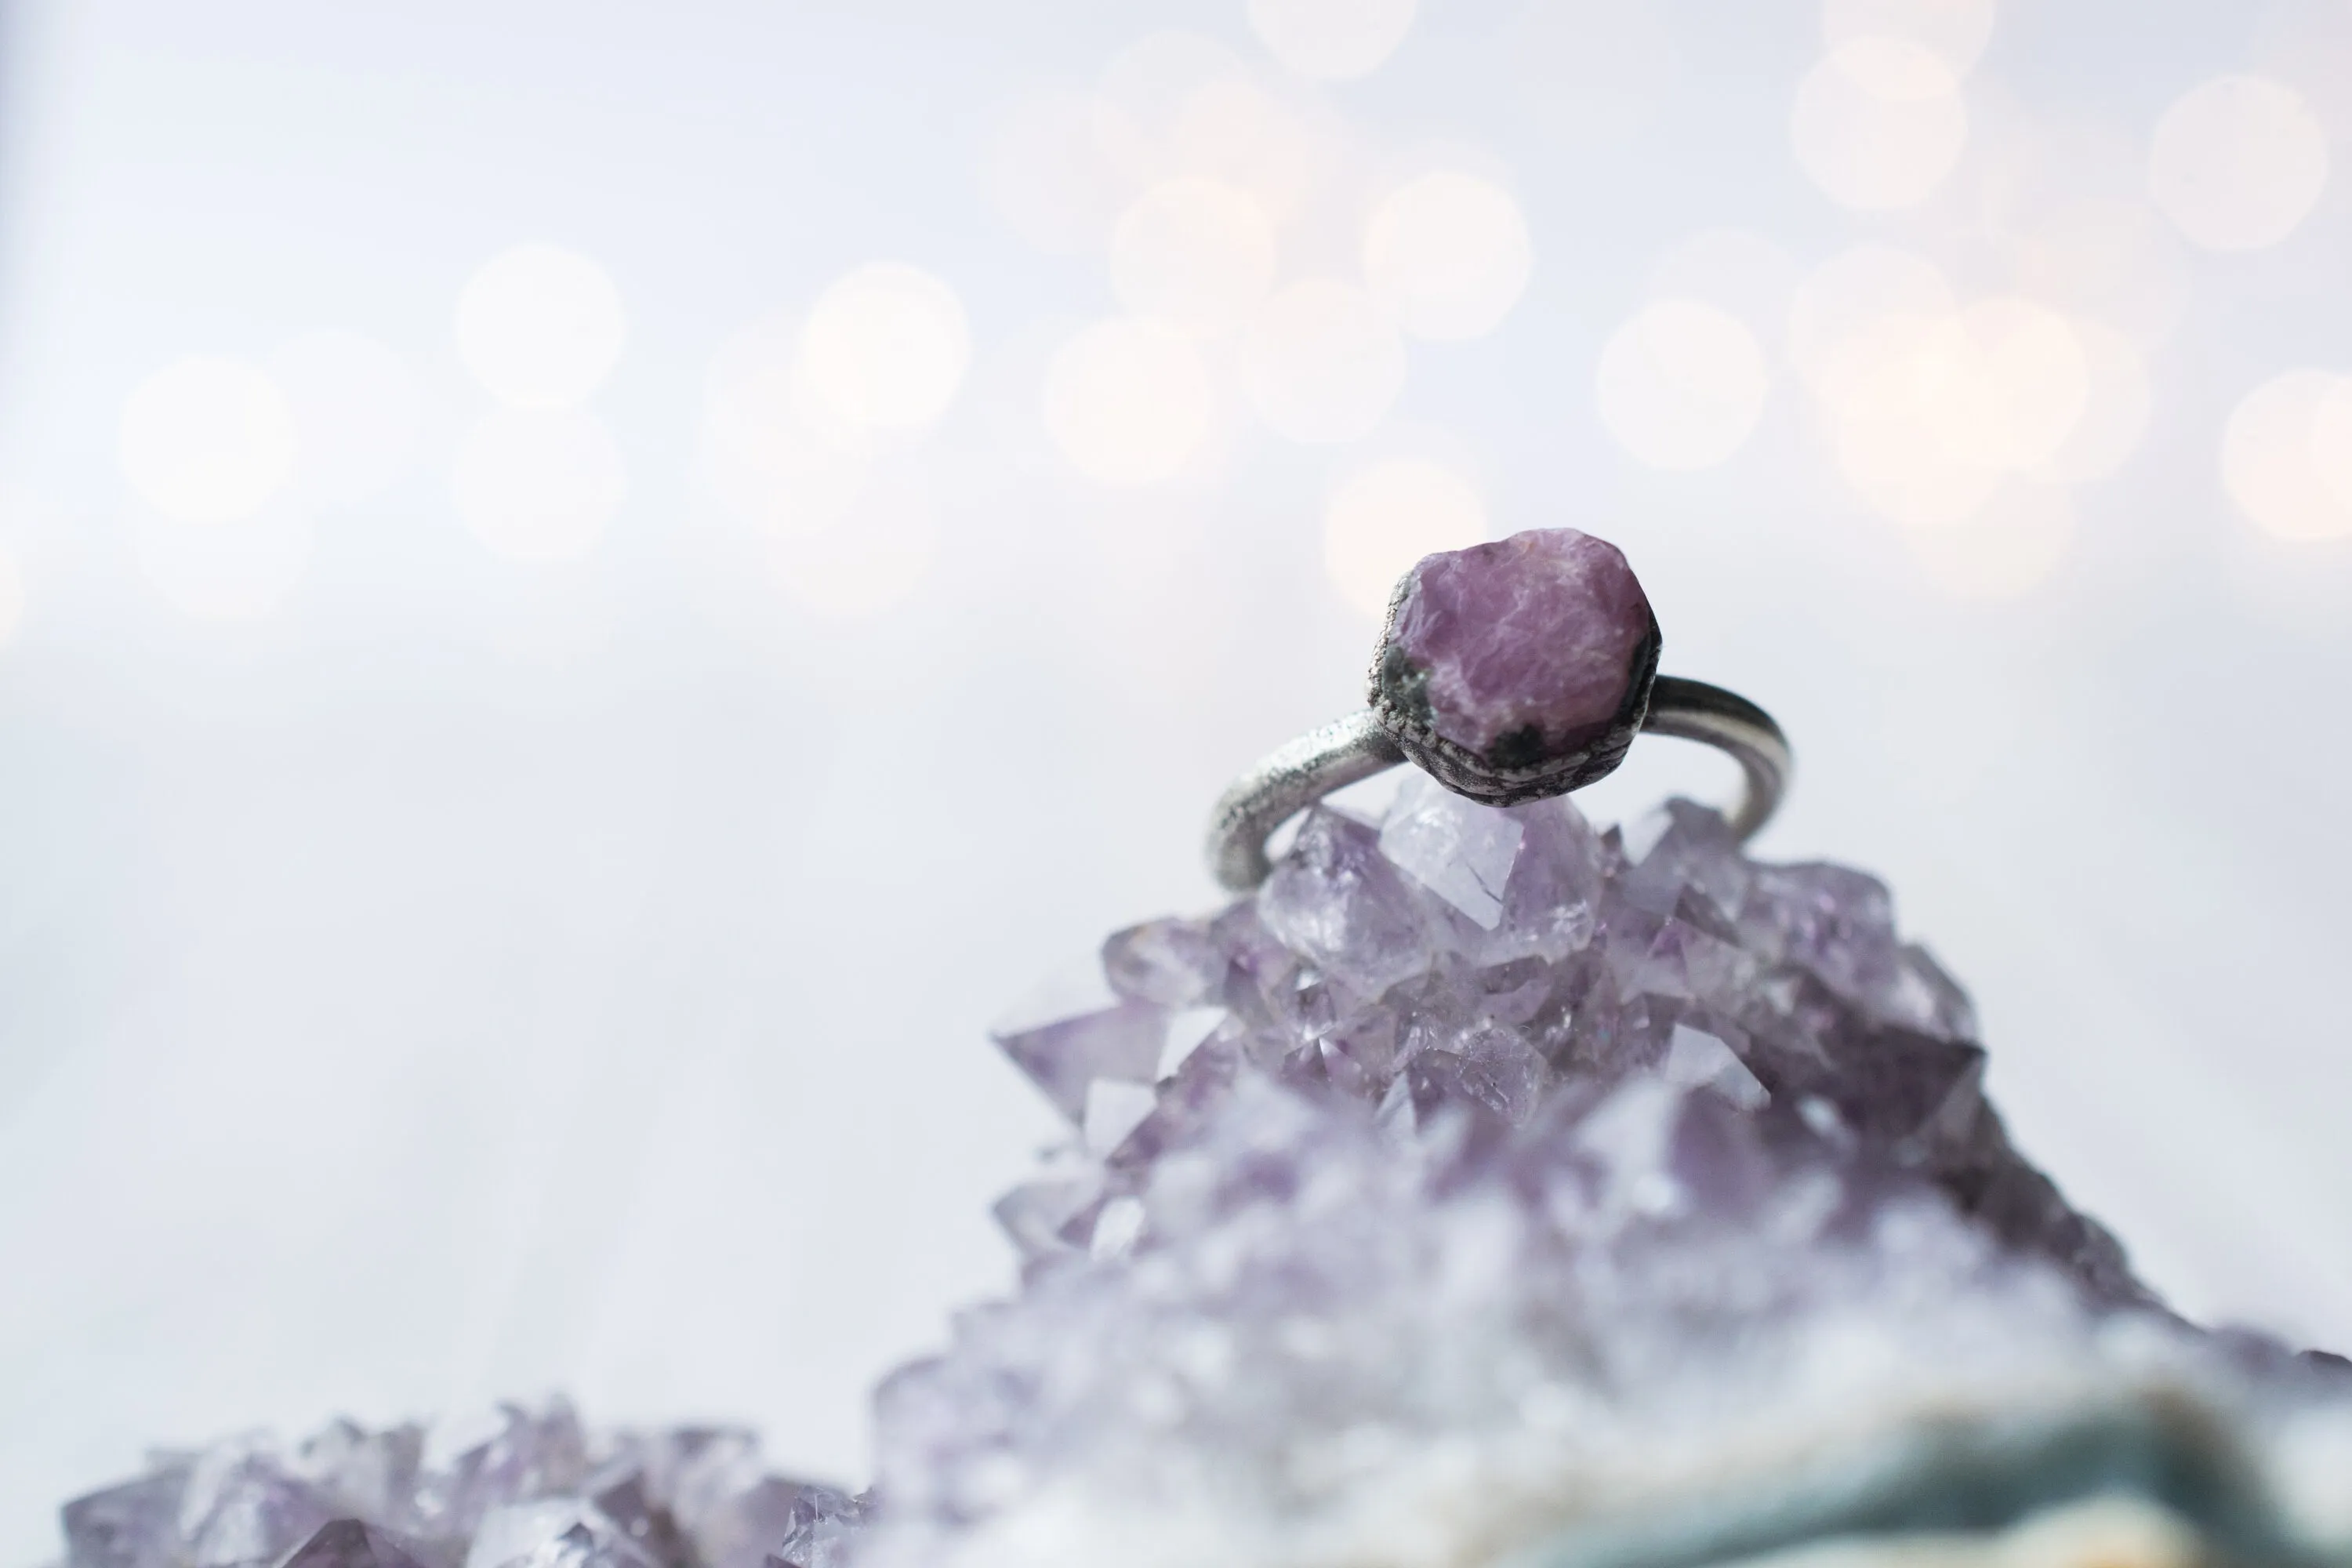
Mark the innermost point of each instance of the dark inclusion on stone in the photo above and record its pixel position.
(1519, 668)
(1482, 1189)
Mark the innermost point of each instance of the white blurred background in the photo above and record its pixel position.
(587, 591)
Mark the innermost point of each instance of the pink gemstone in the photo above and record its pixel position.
(1533, 641)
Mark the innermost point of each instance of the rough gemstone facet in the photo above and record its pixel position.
(516, 1455)
(354, 1543)
(134, 1525)
(244, 1507)
(822, 1531)
(1520, 649)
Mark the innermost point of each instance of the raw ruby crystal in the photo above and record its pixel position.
(1523, 649)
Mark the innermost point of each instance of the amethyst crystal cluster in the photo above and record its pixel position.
(531, 1489)
(1483, 1179)
(1482, 1189)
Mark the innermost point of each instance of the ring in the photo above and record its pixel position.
(1510, 671)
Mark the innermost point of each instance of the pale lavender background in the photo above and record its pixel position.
(394, 1014)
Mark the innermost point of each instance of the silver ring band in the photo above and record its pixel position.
(1345, 750)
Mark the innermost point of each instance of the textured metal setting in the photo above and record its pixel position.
(1339, 753)
(1285, 784)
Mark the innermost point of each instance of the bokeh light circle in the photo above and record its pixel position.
(1901, 467)
(2238, 162)
(1321, 363)
(1930, 409)
(885, 349)
(1334, 40)
(207, 439)
(2273, 461)
(1449, 254)
(539, 485)
(1878, 123)
(1193, 252)
(540, 326)
(1388, 515)
(1128, 401)
(1682, 384)
(2110, 256)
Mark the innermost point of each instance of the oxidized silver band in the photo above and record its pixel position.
(1346, 750)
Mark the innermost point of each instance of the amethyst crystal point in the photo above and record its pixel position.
(244, 1506)
(741, 1529)
(553, 1533)
(519, 1455)
(822, 1531)
(1072, 1036)
(134, 1525)
(353, 1543)
(625, 1498)
(1336, 902)
(366, 1475)
(1518, 668)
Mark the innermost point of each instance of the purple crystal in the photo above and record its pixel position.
(1337, 902)
(1171, 963)
(522, 1455)
(739, 1531)
(1072, 1036)
(823, 1530)
(1045, 1217)
(527, 1488)
(701, 1498)
(625, 1495)
(1531, 644)
(244, 1506)
(1480, 1171)
(134, 1525)
(354, 1543)
(366, 1475)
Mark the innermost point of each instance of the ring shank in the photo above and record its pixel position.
(1694, 710)
(1285, 783)
(1354, 748)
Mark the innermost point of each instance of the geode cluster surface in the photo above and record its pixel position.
(1482, 1189)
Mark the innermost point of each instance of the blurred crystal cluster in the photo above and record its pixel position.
(532, 1489)
(1482, 1182)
